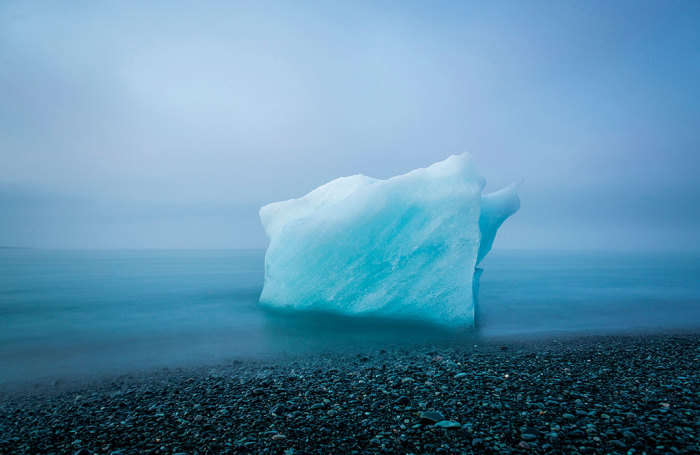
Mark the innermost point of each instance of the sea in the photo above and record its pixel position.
(76, 314)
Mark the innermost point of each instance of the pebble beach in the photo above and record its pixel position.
(600, 394)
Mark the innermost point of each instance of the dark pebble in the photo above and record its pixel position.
(431, 417)
(449, 424)
(402, 401)
(576, 434)
(617, 443)
(592, 395)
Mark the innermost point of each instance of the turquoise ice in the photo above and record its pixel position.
(406, 247)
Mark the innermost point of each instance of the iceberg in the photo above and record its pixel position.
(403, 248)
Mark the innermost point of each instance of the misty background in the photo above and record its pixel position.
(168, 124)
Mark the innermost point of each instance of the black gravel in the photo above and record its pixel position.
(633, 394)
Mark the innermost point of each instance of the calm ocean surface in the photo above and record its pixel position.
(76, 313)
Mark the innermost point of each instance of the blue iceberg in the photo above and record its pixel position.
(406, 247)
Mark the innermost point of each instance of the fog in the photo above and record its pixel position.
(167, 124)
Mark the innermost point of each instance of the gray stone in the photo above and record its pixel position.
(450, 424)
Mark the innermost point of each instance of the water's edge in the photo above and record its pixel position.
(66, 313)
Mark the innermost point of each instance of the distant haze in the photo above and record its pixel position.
(167, 124)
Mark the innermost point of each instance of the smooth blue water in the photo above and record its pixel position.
(72, 313)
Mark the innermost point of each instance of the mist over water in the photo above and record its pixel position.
(85, 313)
(138, 124)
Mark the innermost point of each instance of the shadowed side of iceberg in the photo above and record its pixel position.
(495, 209)
(403, 248)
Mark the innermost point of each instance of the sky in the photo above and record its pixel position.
(166, 124)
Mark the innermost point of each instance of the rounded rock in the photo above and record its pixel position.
(431, 417)
(449, 424)
(402, 401)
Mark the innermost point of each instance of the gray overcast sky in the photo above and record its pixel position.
(167, 124)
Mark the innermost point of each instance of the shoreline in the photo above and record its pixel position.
(590, 394)
(76, 374)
